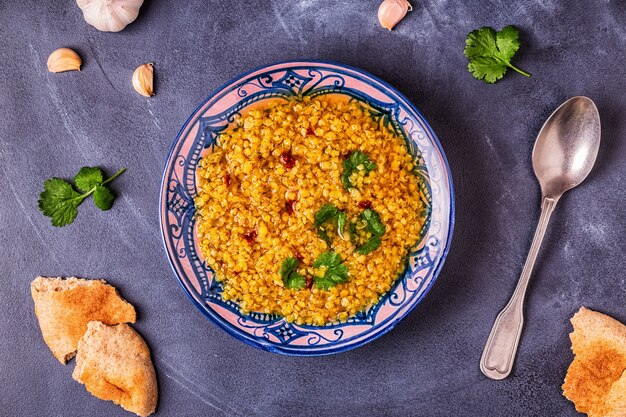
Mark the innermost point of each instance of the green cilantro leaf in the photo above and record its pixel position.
(328, 214)
(103, 197)
(332, 278)
(289, 265)
(324, 283)
(490, 53)
(356, 161)
(325, 213)
(353, 233)
(295, 281)
(369, 246)
(291, 278)
(60, 201)
(336, 272)
(341, 223)
(322, 234)
(375, 226)
(87, 178)
(327, 259)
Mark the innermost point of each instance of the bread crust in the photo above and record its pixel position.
(113, 362)
(596, 379)
(64, 307)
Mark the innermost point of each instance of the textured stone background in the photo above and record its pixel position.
(52, 124)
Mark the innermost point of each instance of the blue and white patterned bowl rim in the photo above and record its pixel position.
(285, 332)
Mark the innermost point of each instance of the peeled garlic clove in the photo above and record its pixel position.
(109, 15)
(391, 12)
(143, 80)
(64, 59)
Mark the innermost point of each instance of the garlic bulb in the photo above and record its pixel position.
(109, 15)
(64, 59)
(391, 12)
(143, 80)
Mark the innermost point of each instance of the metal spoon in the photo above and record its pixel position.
(563, 156)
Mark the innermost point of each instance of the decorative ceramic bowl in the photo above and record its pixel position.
(290, 80)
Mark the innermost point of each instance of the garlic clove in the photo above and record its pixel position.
(64, 59)
(109, 15)
(391, 12)
(143, 80)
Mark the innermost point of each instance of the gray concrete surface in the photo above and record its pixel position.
(52, 124)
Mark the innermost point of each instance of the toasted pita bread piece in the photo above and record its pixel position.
(113, 362)
(596, 381)
(616, 400)
(65, 306)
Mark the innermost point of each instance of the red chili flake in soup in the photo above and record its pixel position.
(309, 282)
(298, 256)
(290, 206)
(227, 180)
(287, 159)
(250, 236)
(365, 204)
(310, 131)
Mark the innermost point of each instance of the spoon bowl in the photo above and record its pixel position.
(567, 146)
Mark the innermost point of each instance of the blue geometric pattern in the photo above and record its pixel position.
(285, 332)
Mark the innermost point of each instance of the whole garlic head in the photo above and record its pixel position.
(109, 15)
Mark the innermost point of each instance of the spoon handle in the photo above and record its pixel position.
(499, 354)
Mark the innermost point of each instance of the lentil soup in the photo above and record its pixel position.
(307, 209)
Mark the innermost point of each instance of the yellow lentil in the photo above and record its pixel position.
(246, 231)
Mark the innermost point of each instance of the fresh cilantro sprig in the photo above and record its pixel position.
(335, 271)
(375, 226)
(328, 214)
(490, 53)
(59, 200)
(356, 161)
(291, 278)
